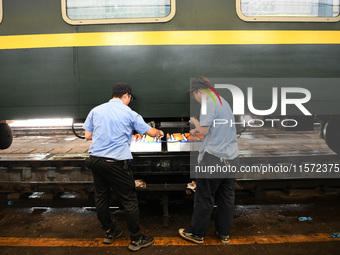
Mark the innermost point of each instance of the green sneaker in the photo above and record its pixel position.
(111, 236)
(142, 242)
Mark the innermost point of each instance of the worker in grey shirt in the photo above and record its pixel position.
(218, 148)
(110, 127)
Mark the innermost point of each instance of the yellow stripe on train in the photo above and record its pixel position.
(237, 37)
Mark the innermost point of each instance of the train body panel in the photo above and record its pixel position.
(68, 82)
(51, 68)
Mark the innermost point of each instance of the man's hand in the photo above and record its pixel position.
(153, 132)
(204, 130)
(160, 134)
(193, 132)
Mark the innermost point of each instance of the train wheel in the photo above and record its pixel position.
(332, 135)
(6, 136)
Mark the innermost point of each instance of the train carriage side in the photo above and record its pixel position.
(51, 68)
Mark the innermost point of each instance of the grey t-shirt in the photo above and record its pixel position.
(221, 141)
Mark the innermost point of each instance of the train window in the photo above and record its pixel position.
(77, 12)
(289, 10)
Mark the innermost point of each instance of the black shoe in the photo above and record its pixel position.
(190, 236)
(111, 236)
(224, 239)
(142, 242)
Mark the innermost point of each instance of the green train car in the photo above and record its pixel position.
(60, 58)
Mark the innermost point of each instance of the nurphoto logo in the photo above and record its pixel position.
(239, 101)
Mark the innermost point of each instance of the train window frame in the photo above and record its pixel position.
(1, 11)
(282, 18)
(117, 21)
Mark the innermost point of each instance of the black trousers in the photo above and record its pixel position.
(116, 175)
(208, 191)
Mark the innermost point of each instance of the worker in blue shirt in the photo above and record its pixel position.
(110, 127)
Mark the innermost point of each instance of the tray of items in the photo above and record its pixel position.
(184, 142)
(145, 143)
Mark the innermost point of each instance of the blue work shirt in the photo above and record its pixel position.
(221, 140)
(112, 124)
